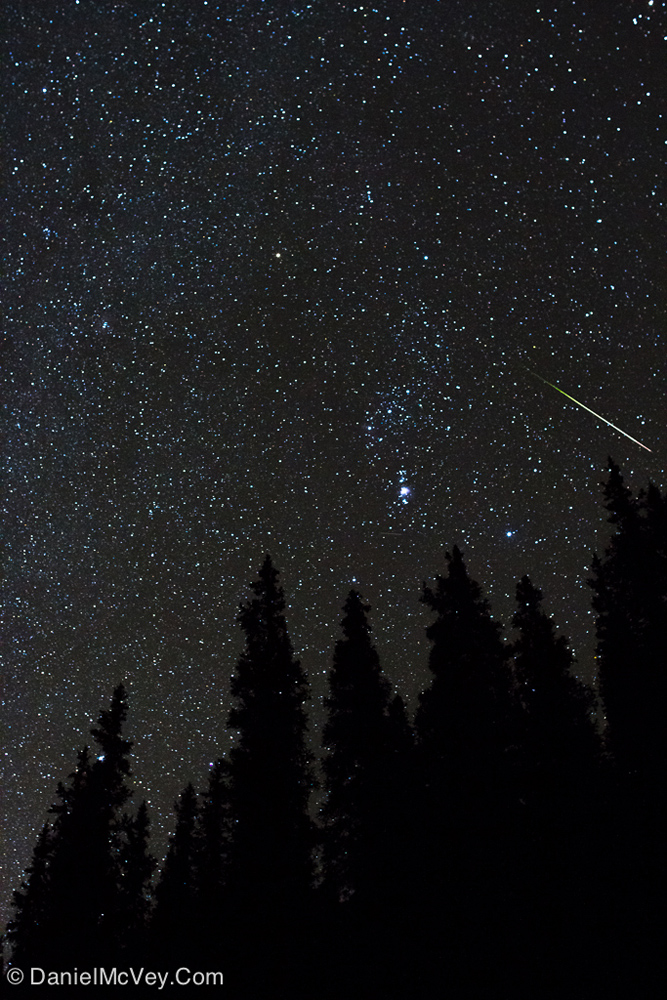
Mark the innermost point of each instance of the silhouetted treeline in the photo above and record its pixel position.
(499, 847)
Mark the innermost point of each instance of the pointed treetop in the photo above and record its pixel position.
(470, 692)
(455, 591)
(558, 732)
(618, 499)
(537, 631)
(267, 663)
(355, 623)
(359, 694)
(187, 800)
(267, 607)
(529, 610)
(108, 733)
(268, 578)
(356, 665)
(456, 564)
(111, 721)
(268, 574)
(528, 595)
(142, 819)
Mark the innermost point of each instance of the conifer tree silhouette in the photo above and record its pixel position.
(467, 718)
(136, 870)
(364, 829)
(560, 776)
(357, 812)
(630, 597)
(76, 865)
(560, 742)
(270, 867)
(27, 932)
(177, 915)
(356, 734)
(270, 776)
(468, 729)
(215, 826)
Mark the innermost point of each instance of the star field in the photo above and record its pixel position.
(274, 275)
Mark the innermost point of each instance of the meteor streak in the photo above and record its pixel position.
(588, 410)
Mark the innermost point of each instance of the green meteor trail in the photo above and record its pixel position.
(588, 410)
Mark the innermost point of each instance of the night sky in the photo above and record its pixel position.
(274, 276)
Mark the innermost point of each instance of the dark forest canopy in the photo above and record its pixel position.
(500, 846)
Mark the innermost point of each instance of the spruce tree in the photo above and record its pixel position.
(367, 812)
(362, 735)
(468, 732)
(77, 878)
(28, 932)
(112, 767)
(176, 924)
(270, 868)
(80, 869)
(466, 720)
(214, 855)
(630, 597)
(559, 743)
(136, 870)
(271, 779)
(559, 787)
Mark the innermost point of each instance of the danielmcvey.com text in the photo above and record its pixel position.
(116, 977)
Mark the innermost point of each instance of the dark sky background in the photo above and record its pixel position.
(274, 276)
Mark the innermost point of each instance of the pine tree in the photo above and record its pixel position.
(177, 913)
(361, 769)
(112, 767)
(403, 770)
(270, 776)
(270, 867)
(215, 841)
(77, 880)
(560, 742)
(630, 597)
(27, 933)
(467, 718)
(136, 870)
(559, 784)
(367, 812)
(468, 732)
(80, 869)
